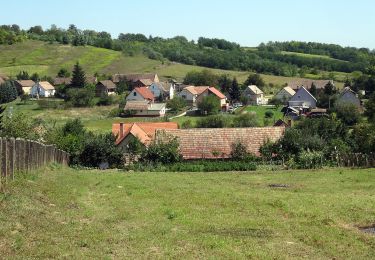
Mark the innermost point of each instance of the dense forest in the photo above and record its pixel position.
(213, 53)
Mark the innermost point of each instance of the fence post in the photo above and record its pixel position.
(4, 159)
(11, 158)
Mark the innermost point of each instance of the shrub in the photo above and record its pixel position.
(99, 149)
(246, 120)
(162, 152)
(25, 98)
(106, 100)
(196, 166)
(81, 97)
(239, 151)
(267, 150)
(176, 104)
(348, 113)
(209, 105)
(116, 112)
(187, 124)
(215, 121)
(268, 114)
(310, 160)
(20, 126)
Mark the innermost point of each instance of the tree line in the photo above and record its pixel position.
(212, 53)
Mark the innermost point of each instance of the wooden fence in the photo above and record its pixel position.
(355, 160)
(19, 155)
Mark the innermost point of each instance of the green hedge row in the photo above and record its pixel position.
(196, 166)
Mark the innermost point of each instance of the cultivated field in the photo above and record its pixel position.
(46, 59)
(80, 214)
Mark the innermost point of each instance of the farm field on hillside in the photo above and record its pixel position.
(67, 213)
(46, 59)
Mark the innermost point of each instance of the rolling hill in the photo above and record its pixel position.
(46, 59)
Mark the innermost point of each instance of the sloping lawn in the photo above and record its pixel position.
(77, 214)
(260, 111)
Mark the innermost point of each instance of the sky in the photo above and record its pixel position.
(345, 22)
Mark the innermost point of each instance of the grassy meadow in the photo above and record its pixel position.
(84, 214)
(46, 59)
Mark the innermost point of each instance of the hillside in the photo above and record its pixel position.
(46, 59)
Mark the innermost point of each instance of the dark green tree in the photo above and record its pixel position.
(313, 90)
(209, 105)
(78, 78)
(63, 73)
(224, 83)
(255, 79)
(23, 75)
(234, 92)
(8, 92)
(370, 108)
(35, 77)
(176, 104)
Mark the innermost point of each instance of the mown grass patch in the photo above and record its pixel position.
(66, 213)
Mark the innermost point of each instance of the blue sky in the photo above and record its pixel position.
(345, 22)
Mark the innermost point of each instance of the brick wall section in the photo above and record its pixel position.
(211, 143)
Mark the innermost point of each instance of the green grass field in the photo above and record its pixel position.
(46, 59)
(260, 111)
(80, 214)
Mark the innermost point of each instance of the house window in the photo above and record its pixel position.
(134, 93)
(184, 96)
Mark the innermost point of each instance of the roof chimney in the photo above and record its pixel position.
(121, 130)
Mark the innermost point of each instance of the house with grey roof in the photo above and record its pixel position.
(302, 99)
(348, 96)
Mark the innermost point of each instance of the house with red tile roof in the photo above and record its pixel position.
(140, 94)
(216, 143)
(190, 93)
(144, 132)
(211, 91)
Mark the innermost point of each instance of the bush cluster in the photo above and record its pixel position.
(196, 166)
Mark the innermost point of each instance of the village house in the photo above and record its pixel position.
(145, 108)
(285, 94)
(136, 80)
(42, 89)
(348, 96)
(105, 88)
(211, 91)
(255, 95)
(24, 85)
(144, 132)
(302, 99)
(140, 94)
(162, 90)
(206, 143)
(307, 83)
(190, 93)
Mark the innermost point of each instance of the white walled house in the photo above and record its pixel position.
(285, 94)
(302, 99)
(348, 96)
(162, 90)
(190, 93)
(140, 94)
(146, 109)
(255, 95)
(42, 89)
